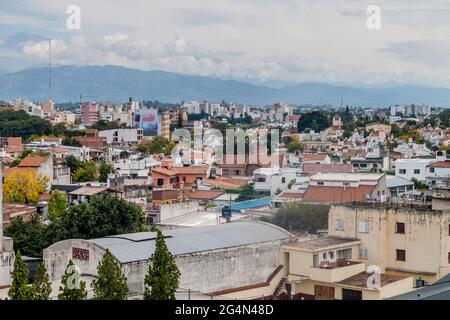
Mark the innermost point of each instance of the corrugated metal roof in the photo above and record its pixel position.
(140, 246)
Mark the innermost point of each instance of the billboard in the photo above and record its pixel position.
(147, 120)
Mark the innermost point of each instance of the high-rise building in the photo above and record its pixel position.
(89, 114)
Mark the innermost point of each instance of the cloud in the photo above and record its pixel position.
(288, 40)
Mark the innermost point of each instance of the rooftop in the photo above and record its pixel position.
(360, 279)
(32, 161)
(345, 176)
(88, 191)
(322, 243)
(139, 246)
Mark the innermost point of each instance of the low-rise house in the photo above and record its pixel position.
(347, 187)
(413, 168)
(330, 269)
(122, 136)
(272, 180)
(169, 176)
(318, 158)
(134, 168)
(402, 240)
(398, 185)
(83, 194)
(438, 173)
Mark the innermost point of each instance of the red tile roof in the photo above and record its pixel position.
(32, 162)
(337, 194)
(440, 164)
(314, 156)
(181, 170)
(204, 195)
(313, 168)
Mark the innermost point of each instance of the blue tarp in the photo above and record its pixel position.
(261, 202)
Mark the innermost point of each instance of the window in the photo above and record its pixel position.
(400, 228)
(238, 172)
(402, 171)
(363, 253)
(226, 172)
(431, 170)
(449, 258)
(331, 254)
(449, 229)
(324, 256)
(363, 227)
(416, 171)
(346, 184)
(400, 255)
(340, 224)
(420, 283)
(344, 254)
(320, 183)
(283, 180)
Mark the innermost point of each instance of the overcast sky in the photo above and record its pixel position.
(291, 40)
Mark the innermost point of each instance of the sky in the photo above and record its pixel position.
(261, 41)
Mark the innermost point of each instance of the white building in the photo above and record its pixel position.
(132, 136)
(274, 179)
(134, 167)
(413, 168)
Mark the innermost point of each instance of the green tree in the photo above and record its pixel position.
(102, 216)
(87, 172)
(162, 279)
(301, 217)
(111, 283)
(57, 204)
(156, 146)
(29, 237)
(72, 287)
(41, 286)
(20, 290)
(104, 169)
(73, 163)
(315, 120)
(419, 185)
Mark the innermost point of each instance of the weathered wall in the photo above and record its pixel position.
(426, 239)
(204, 271)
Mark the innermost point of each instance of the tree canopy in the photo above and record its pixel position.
(24, 186)
(72, 287)
(315, 120)
(111, 283)
(302, 217)
(162, 279)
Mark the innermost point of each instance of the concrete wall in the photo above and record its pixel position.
(426, 239)
(204, 272)
(170, 211)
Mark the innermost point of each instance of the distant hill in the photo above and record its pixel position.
(112, 83)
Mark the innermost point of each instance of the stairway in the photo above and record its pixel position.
(279, 287)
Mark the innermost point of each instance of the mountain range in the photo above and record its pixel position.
(117, 84)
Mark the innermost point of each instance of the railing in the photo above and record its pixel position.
(426, 205)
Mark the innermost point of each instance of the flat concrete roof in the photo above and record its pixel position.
(322, 243)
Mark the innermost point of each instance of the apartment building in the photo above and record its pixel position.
(89, 114)
(346, 187)
(409, 241)
(413, 168)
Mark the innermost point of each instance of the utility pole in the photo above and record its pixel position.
(50, 69)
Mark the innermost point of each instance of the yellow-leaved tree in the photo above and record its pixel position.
(24, 186)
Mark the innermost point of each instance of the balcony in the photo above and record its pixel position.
(336, 271)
